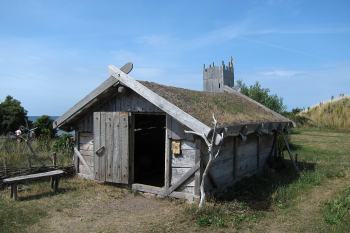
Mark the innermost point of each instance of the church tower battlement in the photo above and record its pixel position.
(215, 77)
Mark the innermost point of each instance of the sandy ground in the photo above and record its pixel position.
(132, 213)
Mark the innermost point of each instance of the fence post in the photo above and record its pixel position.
(5, 167)
(54, 159)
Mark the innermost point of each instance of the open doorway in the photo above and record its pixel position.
(149, 149)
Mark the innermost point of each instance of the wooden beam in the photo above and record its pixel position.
(183, 178)
(171, 109)
(81, 158)
(290, 153)
(234, 160)
(258, 151)
(198, 174)
(252, 128)
(127, 68)
(159, 191)
(167, 152)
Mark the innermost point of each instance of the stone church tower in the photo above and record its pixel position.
(215, 77)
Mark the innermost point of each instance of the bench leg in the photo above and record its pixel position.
(52, 182)
(14, 191)
(56, 183)
(11, 191)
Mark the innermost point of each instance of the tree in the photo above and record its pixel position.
(215, 140)
(44, 127)
(262, 95)
(12, 115)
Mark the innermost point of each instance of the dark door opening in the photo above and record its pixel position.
(149, 149)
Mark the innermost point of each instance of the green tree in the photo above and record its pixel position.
(12, 115)
(262, 95)
(44, 126)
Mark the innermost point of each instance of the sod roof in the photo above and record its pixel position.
(229, 108)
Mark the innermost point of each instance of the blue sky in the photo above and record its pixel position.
(53, 53)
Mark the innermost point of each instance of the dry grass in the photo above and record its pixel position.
(333, 114)
(228, 108)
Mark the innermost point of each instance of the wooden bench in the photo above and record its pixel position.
(14, 181)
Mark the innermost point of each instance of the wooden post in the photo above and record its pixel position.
(290, 154)
(75, 157)
(11, 191)
(234, 160)
(131, 148)
(167, 153)
(14, 191)
(5, 167)
(258, 152)
(57, 180)
(197, 175)
(31, 150)
(271, 155)
(54, 159)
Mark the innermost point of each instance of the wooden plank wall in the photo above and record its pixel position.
(112, 132)
(237, 159)
(180, 164)
(87, 151)
(126, 102)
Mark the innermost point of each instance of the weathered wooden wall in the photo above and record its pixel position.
(238, 159)
(111, 133)
(85, 147)
(190, 152)
(120, 102)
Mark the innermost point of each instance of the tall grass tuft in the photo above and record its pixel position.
(337, 210)
(333, 114)
(16, 153)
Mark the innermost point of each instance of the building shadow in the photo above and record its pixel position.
(37, 196)
(258, 190)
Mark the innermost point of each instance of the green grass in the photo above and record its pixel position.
(36, 201)
(336, 212)
(323, 155)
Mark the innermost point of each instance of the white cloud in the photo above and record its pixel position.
(155, 40)
(281, 73)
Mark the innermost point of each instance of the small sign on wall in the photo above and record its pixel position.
(176, 147)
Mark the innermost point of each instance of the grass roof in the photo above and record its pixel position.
(229, 108)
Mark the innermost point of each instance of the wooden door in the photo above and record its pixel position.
(111, 147)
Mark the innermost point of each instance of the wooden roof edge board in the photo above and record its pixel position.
(83, 103)
(159, 101)
(260, 128)
(231, 90)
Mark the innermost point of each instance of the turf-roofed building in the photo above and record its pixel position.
(133, 132)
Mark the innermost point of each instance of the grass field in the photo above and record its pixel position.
(317, 200)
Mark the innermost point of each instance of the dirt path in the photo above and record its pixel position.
(306, 215)
(131, 213)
